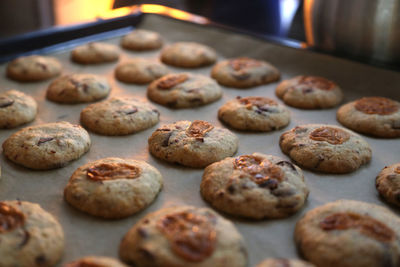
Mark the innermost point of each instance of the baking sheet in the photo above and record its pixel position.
(87, 235)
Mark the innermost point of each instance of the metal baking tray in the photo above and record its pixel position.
(87, 235)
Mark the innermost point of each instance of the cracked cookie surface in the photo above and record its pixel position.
(33, 68)
(325, 148)
(244, 72)
(254, 114)
(183, 236)
(254, 186)
(30, 236)
(78, 88)
(119, 116)
(309, 92)
(113, 188)
(349, 233)
(194, 144)
(377, 116)
(47, 146)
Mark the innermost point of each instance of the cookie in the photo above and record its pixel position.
(182, 237)
(140, 71)
(113, 188)
(255, 186)
(309, 92)
(377, 116)
(244, 72)
(47, 146)
(95, 261)
(184, 90)
(78, 88)
(284, 263)
(30, 236)
(188, 55)
(325, 148)
(16, 108)
(140, 40)
(119, 116)
(194, 144)
(95, 53)
(33, 68)
(349, 233)
(254, 113)
(388, 184)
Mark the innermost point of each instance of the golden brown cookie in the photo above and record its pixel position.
(78, 88)
(388, 183)
(194, 144)
(188, 55)
(349, 233)
(47, 146)
(113, 188)
(377, 116)
(16, 108)
(309, 92)
(119, 116)
(183, 237)
(184, 90)
(284, 263)
(140, 40)
(140, 71)
(325, 148)
(95, 53)
(256, 186)
(33, 68)
(30, 236)
(95, 261)
(254, 114)
(244, 72)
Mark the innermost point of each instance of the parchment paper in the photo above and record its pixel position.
(87, 235)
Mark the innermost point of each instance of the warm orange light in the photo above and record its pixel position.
(172, 12)
(308, 8)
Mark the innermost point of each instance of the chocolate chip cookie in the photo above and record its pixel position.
(388, 183)
(349, 233)
(377, 116)
(30, 236)
(113, 188)
(183, 236)
(33, 68)
(194, 144)
(47, 146)
(16, 108)
(95, 261)
(254, 113)
(244, 72)
(184, 90)
(140, 71)
(284, 263)
(78, 88)
(140, 40)
(188, 55)
(119, 116)
(95, 53)
(309, 92)
(256, 186)
(325, 148)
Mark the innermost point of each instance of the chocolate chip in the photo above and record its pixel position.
(231, 189)
(142, 232)
(286, 163)
(25, 239)
(156, 111)
(194, 90)
(165, 143)
(283, 192)
(85, 88)
(43, 66)
(238, 97)
(201, 139)
(320, 160)
(241, 76)
(269, 183)
(40, 260)
(5, 102)
(147, 254)
(307, 90)
(131, 111)
(44, 140)
(172, 104)
(397, 196)
(196, 100)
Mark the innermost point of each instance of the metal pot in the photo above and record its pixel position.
(360, 28)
